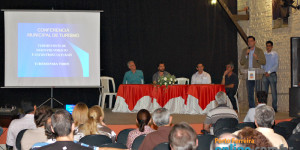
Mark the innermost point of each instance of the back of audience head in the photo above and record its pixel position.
(161, 117)
(62, 123)
(48, 132)
(183, 137)
(221, 98)
(80, 114)
(95, 116)
(143, 118)
(264, 116)
(96, 113)
(27, 107)
(262, 97)
(41, 115)
(259, 139)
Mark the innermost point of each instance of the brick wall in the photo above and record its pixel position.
(260, 26)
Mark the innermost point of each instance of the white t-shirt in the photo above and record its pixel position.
(203, 78)
(17, 125)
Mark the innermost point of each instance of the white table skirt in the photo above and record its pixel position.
(174, 105)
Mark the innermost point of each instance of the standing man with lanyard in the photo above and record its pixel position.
(252, 57)
(270, 76)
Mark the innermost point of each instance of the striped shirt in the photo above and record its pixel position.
(222, 111)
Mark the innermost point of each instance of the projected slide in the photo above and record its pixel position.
(52, 48)
(46, 50)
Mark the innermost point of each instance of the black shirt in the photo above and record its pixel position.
(66, 145)
(233, 79)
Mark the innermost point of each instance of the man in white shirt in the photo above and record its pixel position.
(262, 98)
(201, 77)
(264, 120)
(17, 125)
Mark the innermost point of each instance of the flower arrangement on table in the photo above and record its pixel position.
(166, 80)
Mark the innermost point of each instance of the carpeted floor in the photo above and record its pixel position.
(112, 118)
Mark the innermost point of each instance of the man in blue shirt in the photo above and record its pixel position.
(133, 76)
(270, 76)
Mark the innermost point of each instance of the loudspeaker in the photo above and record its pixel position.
(295, 61)
(294, 92)
(294, 102)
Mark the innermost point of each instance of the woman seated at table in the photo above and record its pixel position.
(143, 120)
(95, 124)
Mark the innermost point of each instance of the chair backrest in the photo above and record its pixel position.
(162, 146)
(114, 145)
(95, 140)
(246, 124)
(285, 128)
(295, 137)
(19, 138)
(204, 141)
(105, 83)
(225, 124)
(137, 142)
(183, 80)
(296, 120)
(123, 135)
(294, 144)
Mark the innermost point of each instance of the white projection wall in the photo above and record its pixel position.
(52, 48)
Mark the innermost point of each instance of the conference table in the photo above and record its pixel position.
(178, 99)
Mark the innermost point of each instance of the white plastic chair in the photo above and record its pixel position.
(105, 91)
(183, 80)
(235, 96)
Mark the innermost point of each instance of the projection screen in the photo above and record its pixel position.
(52, 48)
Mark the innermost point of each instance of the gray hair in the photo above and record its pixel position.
(129, 62)
(161, 117)
(264, 116)
(183, 137)
(221, 98)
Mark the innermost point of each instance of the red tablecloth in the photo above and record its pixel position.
(205, 93)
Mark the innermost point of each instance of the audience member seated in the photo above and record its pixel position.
(63, 127)
(297, 129)
(143, 119)
(259, 139)
(162, 119)
(161, 72)
(133, 76)
(50, 136)
(264, 120)
(221, 111)
(262, 99)
(219, 143)
(27, 122)
(201, 77)
(80, 117)
(33, 136)
(95, 124)
(183, 137)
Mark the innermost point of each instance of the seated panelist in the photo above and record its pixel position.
(133, 76)
(201, 77)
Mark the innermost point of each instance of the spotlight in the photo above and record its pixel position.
(213, 2)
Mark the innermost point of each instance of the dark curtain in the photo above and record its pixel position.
(180, 33)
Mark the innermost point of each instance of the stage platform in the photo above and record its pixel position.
(113, 118)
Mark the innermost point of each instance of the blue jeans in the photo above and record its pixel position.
(272, 81)
(250, 89)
